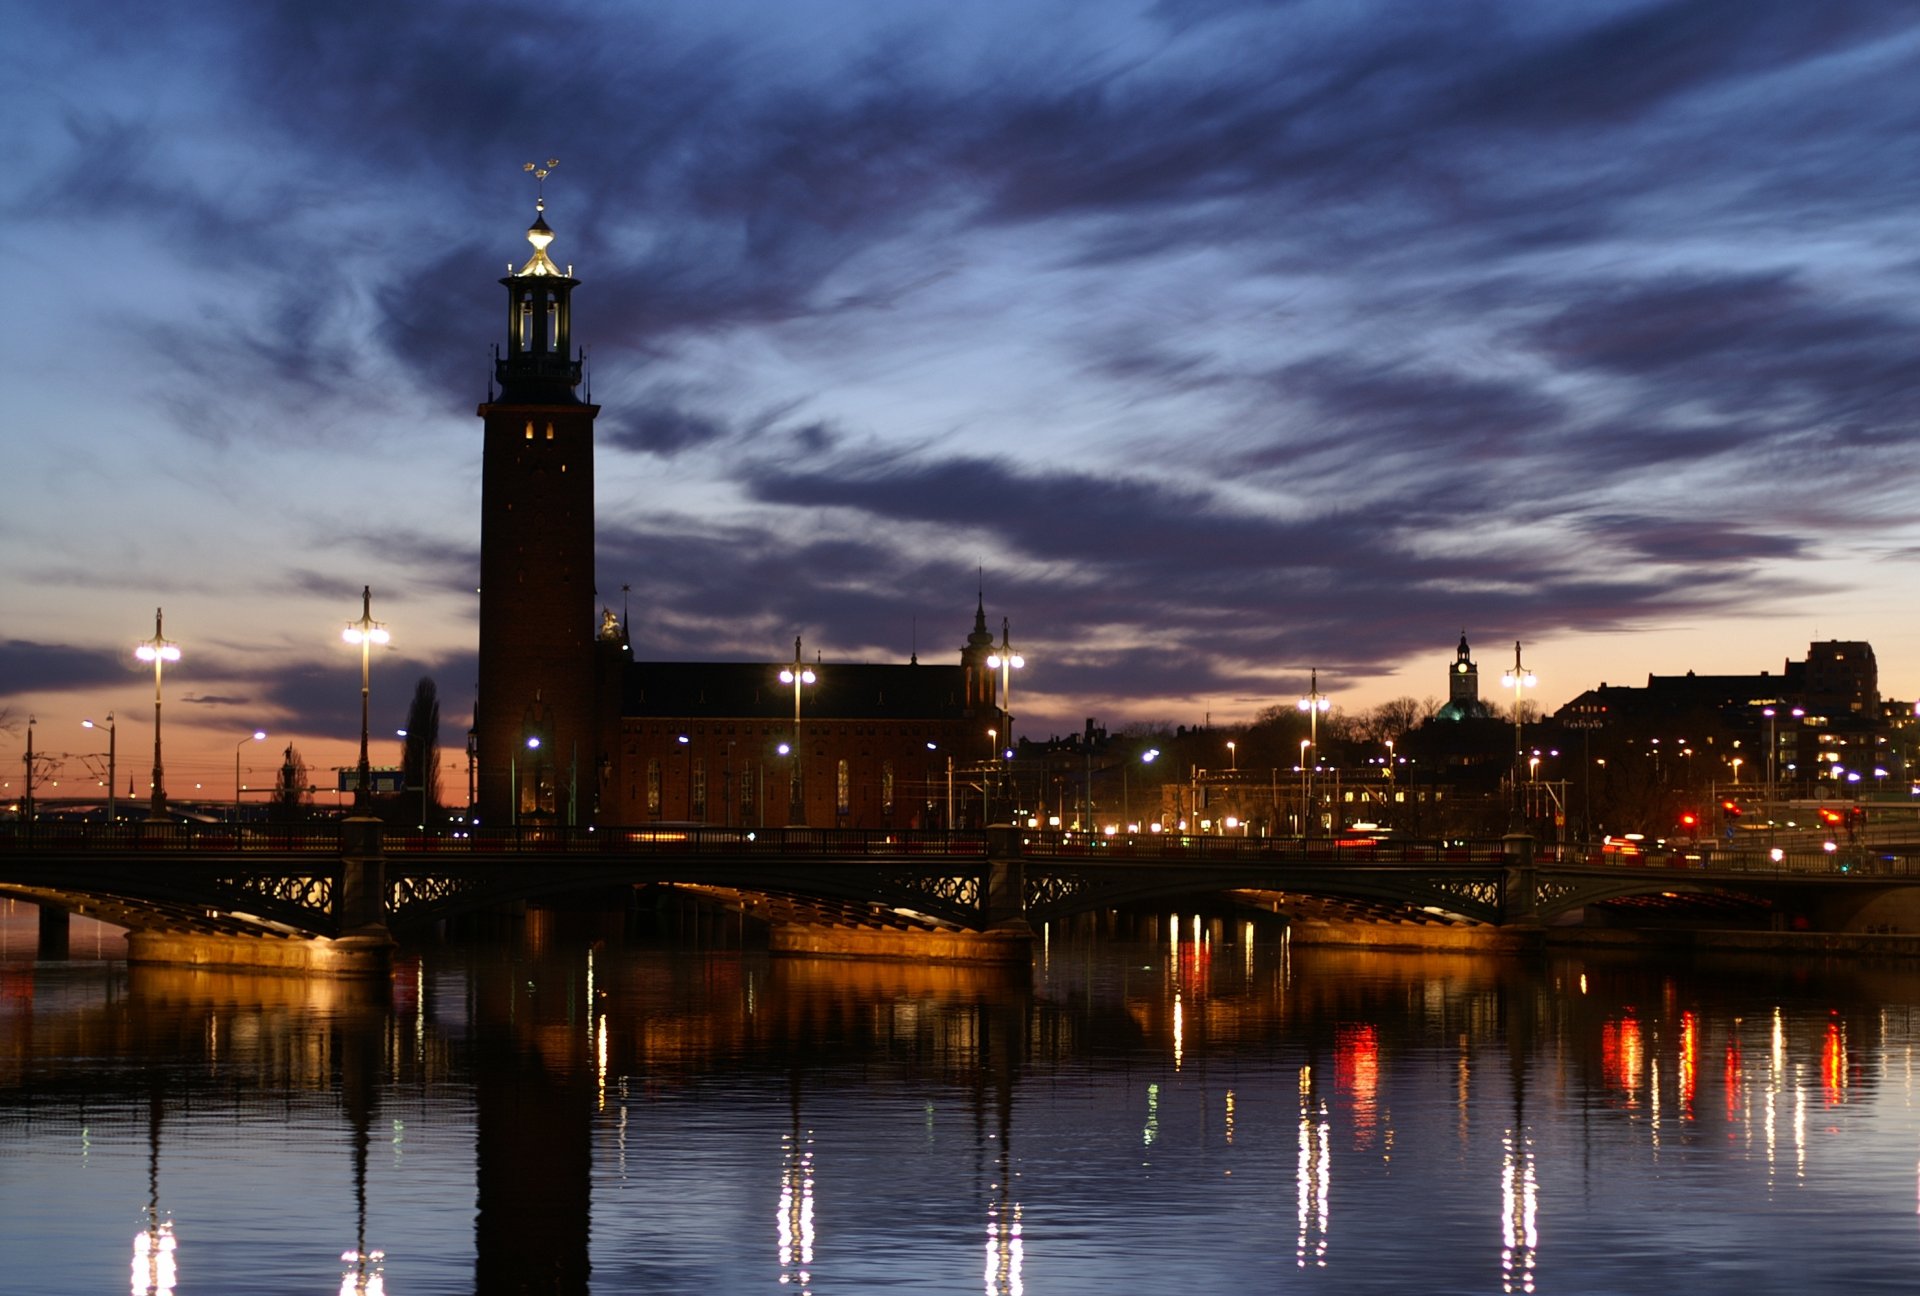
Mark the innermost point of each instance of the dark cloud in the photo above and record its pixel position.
(663, 428)
(27, 667)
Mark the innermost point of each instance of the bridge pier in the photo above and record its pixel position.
(1520, 888)
(54, 939)
(364, 947)
(1004, 937)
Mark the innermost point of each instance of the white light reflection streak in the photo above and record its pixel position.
(1314, 1176)
(1653, 1098)
(153, 1267)
(1229, 1117)
(1519, 1212)
(600, 1061)
(1799, 1126)
(1005, 1253)
(795, 1218)
(365, 1274)
(1179, 1029)
(1152, 1131)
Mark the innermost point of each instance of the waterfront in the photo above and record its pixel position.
(1167, 1104)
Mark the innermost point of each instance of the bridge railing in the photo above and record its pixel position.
(691, 839)
(1347, 849)
(185, 837)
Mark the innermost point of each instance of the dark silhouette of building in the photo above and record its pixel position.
(535, 717)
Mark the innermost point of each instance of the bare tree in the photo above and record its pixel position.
(420, 753)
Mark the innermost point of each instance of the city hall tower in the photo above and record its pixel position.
(536, 731)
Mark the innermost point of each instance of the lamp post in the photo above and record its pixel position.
(1773, 754)
(1147, 757)
(1314, 703)
(28, 815)
(1006, 661)
(1304, 744)
(258, 735)
(799, 675)
(366, 632)
(1233, 757)
(1519, 679)
(112, 761)
(513, 776)
(158, 650)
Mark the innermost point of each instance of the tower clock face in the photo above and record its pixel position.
(1462, 668)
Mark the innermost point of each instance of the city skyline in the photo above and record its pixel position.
(1219, 343)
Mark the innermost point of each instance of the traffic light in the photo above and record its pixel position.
(1731, 809)
(1829, 816)
(1689, 820)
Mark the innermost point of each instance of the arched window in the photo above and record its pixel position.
(843, 786)
(653, 786)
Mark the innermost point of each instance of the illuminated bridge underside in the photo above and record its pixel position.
(889, 882)
(1378, 893)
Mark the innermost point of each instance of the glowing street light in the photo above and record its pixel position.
(1147, 757)
(1006, 661)
(1314, 704)
(159, 650)
(1773, 754)
(513, 776)
(258, 735)
(799, 675)
(366, 632)
(1233, 756)
(1519, 679)
(112, 760)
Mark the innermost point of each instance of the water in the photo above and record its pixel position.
(1163, 1108)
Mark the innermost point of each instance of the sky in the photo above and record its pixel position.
(1213, 342)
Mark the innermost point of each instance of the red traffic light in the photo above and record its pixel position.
(1829, 816)
(1688, 818)
(1731, 808)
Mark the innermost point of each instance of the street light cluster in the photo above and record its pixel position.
(161, 651)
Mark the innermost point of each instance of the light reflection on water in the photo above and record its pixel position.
(1179, 1103)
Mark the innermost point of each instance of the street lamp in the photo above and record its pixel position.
(258, 735)
(1006, 661)
(112, 752)
(366, 632)
(1518, 679)
(1304, 744)
(1233, 757)
(799, 675)
(1147, 757)
(1773, 754)
(158, 650)
(513, 775)
(1314, 704)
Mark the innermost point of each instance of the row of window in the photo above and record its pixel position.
(697, 790)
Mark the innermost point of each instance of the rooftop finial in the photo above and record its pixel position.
(540, 174)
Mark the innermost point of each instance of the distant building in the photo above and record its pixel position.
(1463, 688)
(877, 745)
(1827, 721)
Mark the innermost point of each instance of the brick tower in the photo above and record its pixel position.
(537, 733)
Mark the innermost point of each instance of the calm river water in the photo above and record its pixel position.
(1168, 1105)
